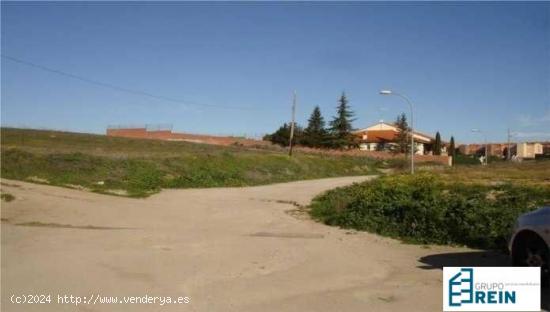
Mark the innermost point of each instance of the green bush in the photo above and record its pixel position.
(143, 177)
(7, 197)
(460, 159)
(425, 209)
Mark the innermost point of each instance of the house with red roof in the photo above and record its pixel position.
(383, 137)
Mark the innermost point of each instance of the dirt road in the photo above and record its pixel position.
(230, 249)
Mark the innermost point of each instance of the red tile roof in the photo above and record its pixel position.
(380, 136)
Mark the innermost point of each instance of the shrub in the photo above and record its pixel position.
(143, 177)
(424, 208)
(460, 159)
(7, 197)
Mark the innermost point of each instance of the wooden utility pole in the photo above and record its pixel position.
(292, 125)
(508, 149)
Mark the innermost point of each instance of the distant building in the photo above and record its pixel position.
(383, 136)
(496, 149)
(528, 150)
(471, 149)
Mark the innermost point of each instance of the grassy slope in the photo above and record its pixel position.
(140, 167)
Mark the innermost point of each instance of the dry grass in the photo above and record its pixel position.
(527, 172)
(140, 167)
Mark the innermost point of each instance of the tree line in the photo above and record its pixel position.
(337, 135)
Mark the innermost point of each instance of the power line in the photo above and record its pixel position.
(118, 88)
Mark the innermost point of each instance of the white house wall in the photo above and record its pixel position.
(385, 127)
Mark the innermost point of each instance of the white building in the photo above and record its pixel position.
(528, 150)
(383, 136)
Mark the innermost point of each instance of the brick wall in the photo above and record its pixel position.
(128, 133)
(143, 133)
(159, 134)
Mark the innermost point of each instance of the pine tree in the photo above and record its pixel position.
(403, 141)
(437, 144)
(340, 126)
(315, 135)
(452, 149)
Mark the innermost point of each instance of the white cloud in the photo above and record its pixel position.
(525, 121)
(532, 134)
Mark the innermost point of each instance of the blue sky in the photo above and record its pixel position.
(464, 65)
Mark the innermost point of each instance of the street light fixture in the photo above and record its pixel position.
(485, 139)
(390, 92)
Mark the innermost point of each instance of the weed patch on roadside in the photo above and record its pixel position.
(427, 209)
(7, 197)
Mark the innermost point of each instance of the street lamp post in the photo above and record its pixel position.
(509, 152)
(390, 92)
(485, 141)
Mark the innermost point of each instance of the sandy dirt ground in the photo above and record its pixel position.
(227, 249)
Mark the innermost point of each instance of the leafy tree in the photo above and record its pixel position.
(437, 144)
(315, 135)
(403, 140)
(282, 135)
(452, 148)
(340, 126)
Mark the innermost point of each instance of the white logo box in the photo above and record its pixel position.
(491, 289)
